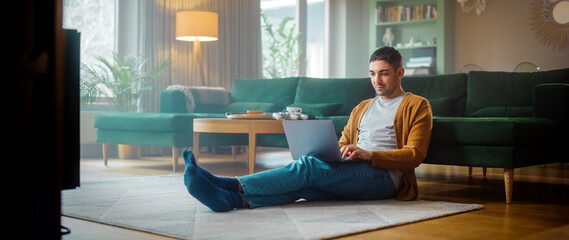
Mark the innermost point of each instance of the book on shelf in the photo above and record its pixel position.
(421, 71)
(421, 65)
(378, 14)
(416, 62)
(421, 59)
(405, 13)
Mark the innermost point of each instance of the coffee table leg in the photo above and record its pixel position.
(196, 147)
(252, 145)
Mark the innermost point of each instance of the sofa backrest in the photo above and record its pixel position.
(446, 93)
(270, 95)
(347, 92)
(506, 94)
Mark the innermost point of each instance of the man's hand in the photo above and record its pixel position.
(353, 152)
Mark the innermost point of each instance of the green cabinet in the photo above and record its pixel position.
(422, 31)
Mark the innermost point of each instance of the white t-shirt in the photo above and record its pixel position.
(376, 131)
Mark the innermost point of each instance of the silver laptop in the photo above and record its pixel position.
(312, 137)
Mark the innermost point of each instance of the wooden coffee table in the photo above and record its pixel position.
(224, 125)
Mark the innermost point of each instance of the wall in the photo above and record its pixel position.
(348, 38)
(501, 38)
(336, 38)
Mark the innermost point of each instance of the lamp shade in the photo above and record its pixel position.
(192, 25)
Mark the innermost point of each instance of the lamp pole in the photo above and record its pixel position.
(198, 67)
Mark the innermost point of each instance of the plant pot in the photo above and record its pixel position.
(129, 151)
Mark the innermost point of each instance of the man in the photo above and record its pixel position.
(385, 139)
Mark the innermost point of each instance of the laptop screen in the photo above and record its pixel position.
(312, 137)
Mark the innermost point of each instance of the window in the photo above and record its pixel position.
(95, 21)
(282, 43)
(315, 38)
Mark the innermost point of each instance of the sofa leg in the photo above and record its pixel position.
(509, 183)
(105, 153)
(484, 170)
(469, 171)
(175, 155)
(233, 150)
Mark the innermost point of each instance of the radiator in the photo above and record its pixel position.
(88, 133)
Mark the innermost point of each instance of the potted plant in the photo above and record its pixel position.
(122, 82)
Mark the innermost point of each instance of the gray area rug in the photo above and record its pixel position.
(161, 205)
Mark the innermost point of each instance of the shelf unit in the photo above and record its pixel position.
(431, 28)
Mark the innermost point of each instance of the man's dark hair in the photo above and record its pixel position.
(389, 54)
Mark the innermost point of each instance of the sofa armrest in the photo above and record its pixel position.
(189, 99)
(551, 101)
(209, 99)
(173, 101)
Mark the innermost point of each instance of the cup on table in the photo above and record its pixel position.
(294, 110)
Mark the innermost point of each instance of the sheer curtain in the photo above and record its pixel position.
(236, 53)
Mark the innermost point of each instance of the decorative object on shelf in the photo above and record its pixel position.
(197, 26)
(410, 43)
(478, 5)
(550, 20)
(388, 38)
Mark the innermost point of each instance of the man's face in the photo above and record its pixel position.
(385, 80)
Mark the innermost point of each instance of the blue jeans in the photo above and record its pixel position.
(312, 179)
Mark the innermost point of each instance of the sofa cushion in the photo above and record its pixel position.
(495, 131)
(165, 138)
(278, 91)
(346, 91)
(446, 93)
(149, 122)
(317, 109)
(504, 112)
(507, 89)
(153, 122)
(242, 107)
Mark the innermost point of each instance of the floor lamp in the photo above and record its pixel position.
(197, 26)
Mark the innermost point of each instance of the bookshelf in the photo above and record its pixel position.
(423, 32)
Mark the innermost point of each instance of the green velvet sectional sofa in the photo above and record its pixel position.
(172, 127)
(481, 119)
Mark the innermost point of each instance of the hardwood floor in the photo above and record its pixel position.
(539, 210)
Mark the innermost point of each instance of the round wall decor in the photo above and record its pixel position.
(550, 20)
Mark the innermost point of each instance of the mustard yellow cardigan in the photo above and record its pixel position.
(412, 124)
